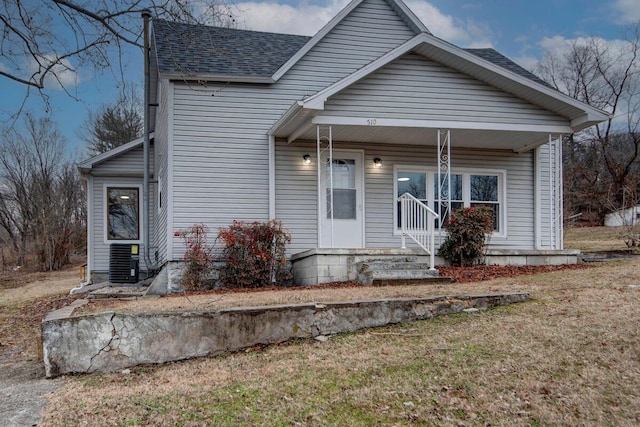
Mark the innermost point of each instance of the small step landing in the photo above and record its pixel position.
(118, 291)
(394, 272)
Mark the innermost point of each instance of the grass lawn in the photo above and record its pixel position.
(593, 239)
(570, 357)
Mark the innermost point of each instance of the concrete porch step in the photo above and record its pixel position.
(118, 292)
(412, 282)
(369, 273)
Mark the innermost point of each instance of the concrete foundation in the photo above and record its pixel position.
(113, 341)
(338, 265)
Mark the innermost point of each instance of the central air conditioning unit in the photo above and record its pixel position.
(124, 263)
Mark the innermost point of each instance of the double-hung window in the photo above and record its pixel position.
(473, 187)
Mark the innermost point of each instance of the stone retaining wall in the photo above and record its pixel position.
(113, 341)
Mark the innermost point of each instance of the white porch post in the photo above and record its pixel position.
(324, 139)
(272, 177)
(444, 170)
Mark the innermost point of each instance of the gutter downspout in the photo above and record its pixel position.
(146, 15)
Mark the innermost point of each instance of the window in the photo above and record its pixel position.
(344, 189)
(123, 213)
(484, 192)
(472, 188)
(457, 200)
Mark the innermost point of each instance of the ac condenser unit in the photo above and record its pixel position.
(124, 263)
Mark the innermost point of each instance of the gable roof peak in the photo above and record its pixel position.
(398, 6)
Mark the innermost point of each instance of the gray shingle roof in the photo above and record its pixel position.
(200, 50)
(203, 50)
(499, 59)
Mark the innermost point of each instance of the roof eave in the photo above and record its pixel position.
(227, 78)
(593, 115)
(587, 120)
(87, 165)
(592, 112)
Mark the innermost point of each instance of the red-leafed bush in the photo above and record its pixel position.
(253, 255)
(467, 228)
(198, 258)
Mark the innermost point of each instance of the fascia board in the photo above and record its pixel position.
(88, 164)
(226, 78)
(315, 39)
(510, 75)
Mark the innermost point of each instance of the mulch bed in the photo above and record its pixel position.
(479, 273)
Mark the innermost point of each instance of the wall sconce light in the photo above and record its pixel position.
(306, 159)
(377, 162)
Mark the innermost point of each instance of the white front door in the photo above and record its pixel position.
(342, 210)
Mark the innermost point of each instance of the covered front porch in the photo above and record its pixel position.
(345, 198)
(373, 164)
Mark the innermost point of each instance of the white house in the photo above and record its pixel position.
(622, 217)
(325, 133)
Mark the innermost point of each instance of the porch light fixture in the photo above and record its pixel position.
(306, 159)
(377, 162)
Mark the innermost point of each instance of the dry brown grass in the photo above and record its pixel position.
(569, 357)
(594, 239)
(25, 298)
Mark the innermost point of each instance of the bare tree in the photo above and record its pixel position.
(602, 161)
(40, 202)
(48, 43)
(113, 124)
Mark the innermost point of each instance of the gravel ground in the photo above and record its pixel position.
(22, 391)
(25, 298)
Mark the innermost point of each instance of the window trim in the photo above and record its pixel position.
(105, 216)
(466, 172)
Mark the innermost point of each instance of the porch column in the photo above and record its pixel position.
(444, 177)
(324, 140)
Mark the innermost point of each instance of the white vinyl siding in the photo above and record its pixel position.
(125, 164)
(549, 214)
(414, 87)
(297, 193)
(220, 142)
(100, 243)
(125, 170)
(296, 204)
(369, 31)
(162, 171)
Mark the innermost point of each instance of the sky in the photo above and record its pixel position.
(520, 29)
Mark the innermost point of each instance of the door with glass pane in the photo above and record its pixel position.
(341, 204)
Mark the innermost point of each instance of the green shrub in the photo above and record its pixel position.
(467, 228)
(198, 258)
(254, 255)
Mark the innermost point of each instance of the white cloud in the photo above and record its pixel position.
(628, 10)
(61, 76)
(526, 61)
(464, 33)
(303, 19)
(307, 19)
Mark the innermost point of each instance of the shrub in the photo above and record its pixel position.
(466, 240)
(198, 258)
(254, 255)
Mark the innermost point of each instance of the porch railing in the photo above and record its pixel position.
(418, 222)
